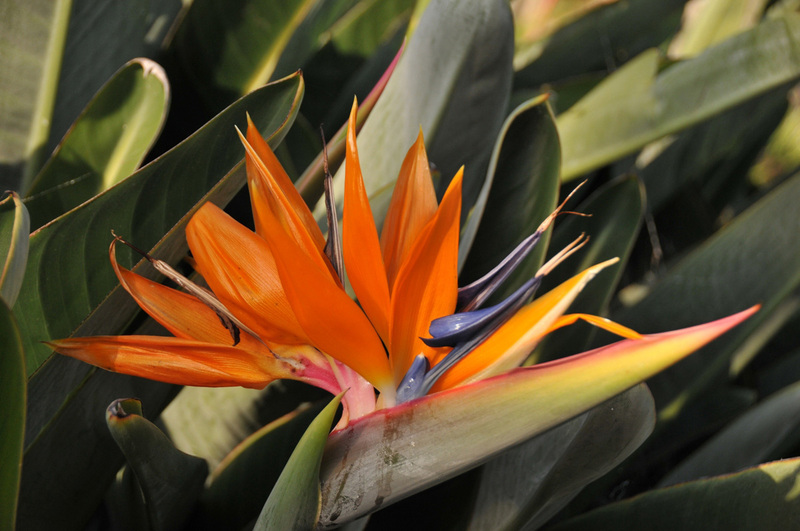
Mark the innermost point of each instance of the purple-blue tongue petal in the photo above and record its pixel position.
(473, 295)
(459, 327)
(411, 385)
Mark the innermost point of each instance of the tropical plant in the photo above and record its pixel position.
(680, 117)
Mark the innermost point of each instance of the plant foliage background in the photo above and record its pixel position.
(683, 116)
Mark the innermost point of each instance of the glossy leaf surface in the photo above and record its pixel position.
(750, 500)
(751, 439)
(603, 127)
(520, 191)
(107, 142)
(243, 481)
(744, 254)
(230, 48)
(170, 480)
(525, 486)
(12, 415)
(32, 35)
(455, 67)
(14, 240)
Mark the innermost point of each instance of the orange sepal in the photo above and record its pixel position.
(360, 245)
(331, 320)
(413, 205)
(240, 269)
(427, 283)
(268, 182)
(182, 314)
(595, 320)
(176, 360)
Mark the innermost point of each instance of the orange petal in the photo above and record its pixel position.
(271, 187)
(360, 245)
(240, 269)
(331, 320)
(427, 283)
(182, 314)
(508, 347)
(413, 205)
(176, 360)
(599, 322)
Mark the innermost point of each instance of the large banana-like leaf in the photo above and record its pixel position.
(68, 274)
(764, 497)
(636, 105)
(103, 36)
(600, 41)
(106, 143)
(452, 82)
(712, 157)
(525, 486)
(708, 23)
(520, 191)
(32, 38)
(368, 23)
(752, 260)
(230, 48)
(753, 438)
(395, 452)
(12, 415)
(14, 231)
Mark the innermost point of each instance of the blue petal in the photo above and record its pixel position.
(457, 328)
(473, 295)
(411, 385)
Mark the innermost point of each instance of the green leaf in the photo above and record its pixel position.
(242, 482)
(230, 48)
(101, 37)
(12, 415)
(520, 191)
(753, 438)
(764, 497)
(295, 500)
(634, 106)
(711, 22)
(395, 452)
(14, 231)
(210, 422)
(599, 42)
(171, 480)
(32, 38)
(752, 260)
(106, 143)
(452, 82)
(70, 458)
(525, 486)
(369, 23)
(615, 212)
(713, 157)
(68, 273)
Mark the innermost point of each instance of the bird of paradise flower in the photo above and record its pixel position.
(280, 294)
